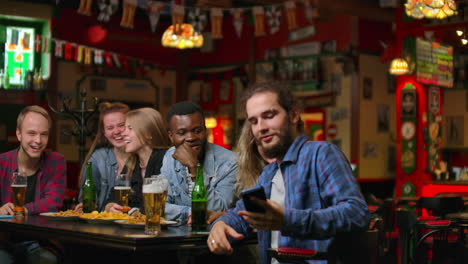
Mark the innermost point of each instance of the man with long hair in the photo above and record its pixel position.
(311, 193)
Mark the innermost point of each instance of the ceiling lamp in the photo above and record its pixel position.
(398, 66)
(181, 36)
(430, 9)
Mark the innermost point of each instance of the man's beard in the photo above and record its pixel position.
(279, 150)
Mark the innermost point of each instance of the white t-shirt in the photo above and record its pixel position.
(278, 195)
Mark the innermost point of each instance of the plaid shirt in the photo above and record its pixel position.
(322, 198)
(51, 181)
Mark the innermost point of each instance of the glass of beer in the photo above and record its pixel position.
(165, 182)
(18, 186)
(122, 190)
(154, 190)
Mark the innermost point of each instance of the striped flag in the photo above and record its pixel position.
(37, 43)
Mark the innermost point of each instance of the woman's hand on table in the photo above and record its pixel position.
(114, 208)
(7, 209)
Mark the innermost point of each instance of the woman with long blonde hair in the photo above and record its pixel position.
(107, 152)
(146, 140)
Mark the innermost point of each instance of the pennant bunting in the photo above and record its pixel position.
(68, 51)
(88, 55)
(46, 44)
(216, 23)
(108, 59)
(59, 48)
(98, 57)
(273, 17)
(79, 54)
(154, 9)
(116, 60)
(259, 17)
(237, 20)
(197, 18)
(37, 43)
(290, 7)
(124, 60)
(106, 9)
(85, 7)
(128, 15)
(310, 10)
(178, 12)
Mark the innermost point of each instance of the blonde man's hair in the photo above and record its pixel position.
(32, 109)
(250, 161)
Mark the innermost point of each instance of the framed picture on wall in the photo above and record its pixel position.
(383, 118)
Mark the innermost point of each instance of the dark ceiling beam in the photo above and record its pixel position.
(361, 8)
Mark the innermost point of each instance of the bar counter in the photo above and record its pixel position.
(108, 241)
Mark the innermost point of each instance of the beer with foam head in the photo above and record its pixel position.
(19, 197)
(154, 198)
(19, 184)
(121, 196)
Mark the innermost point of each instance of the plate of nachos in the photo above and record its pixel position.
(62, 215)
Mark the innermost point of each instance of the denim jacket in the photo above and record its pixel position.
(219, 171)
(104, 169)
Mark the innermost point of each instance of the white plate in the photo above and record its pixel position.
(142, 225)
(52, 216)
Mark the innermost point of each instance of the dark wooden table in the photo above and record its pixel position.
(82, 242)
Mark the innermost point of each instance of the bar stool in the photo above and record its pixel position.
(436, 227)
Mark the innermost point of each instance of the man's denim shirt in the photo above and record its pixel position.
(219, 171)
(104, 169)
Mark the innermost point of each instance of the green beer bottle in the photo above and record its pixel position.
(89, 191)
(199, 201)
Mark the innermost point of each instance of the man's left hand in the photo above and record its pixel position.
(272, 219)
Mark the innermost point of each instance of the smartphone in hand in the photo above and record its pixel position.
(249, 196)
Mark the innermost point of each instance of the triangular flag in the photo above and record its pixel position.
(197, 18)
(108, 59)
(216, 23)
(237, 20)
(124, 62)
(79, 54)
(106, 9)
(273, 17)
(154, 9)
(88, 55)
(59, 48)
(116, 59)
(68, 51)
(46, 44)
(128, 15)
(37, 43)
(178, 12)
(98, 57)
(259, 18)
(290, 7)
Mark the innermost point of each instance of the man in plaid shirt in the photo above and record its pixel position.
(312, 196)
(46, 171)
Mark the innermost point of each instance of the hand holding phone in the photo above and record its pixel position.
(250, 195)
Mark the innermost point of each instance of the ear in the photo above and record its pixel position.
(295, 116)
(169, 133)
(18, 135)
